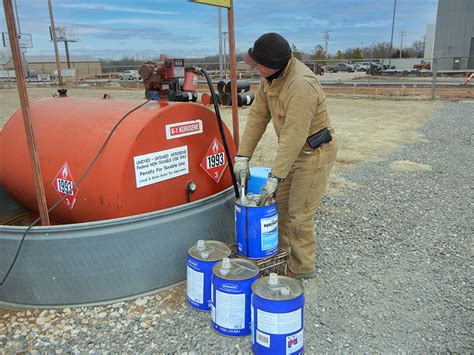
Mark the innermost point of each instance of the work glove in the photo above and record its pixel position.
(241, 168)
(269, 191)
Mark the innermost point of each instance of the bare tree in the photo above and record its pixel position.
(318, 53)
(381, 50)
(297, 54)
(417, 49)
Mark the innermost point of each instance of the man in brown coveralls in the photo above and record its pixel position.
(290, 95)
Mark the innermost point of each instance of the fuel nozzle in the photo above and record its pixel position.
(195, 69)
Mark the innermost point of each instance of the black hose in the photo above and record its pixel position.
(221, 130)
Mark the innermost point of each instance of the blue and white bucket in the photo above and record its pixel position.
(201, 258)
(277, 315)
(231, 288)
(256, 229)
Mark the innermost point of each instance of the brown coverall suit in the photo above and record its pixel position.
(296, 104)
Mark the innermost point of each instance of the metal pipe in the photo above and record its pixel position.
(433, 81)
(66, 47)
(391, 38)
(25, 110)
(220, 44)
(224, 35)
(233, 74)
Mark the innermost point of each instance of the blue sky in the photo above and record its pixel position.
(147, 28)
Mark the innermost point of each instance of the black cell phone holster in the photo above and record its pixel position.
(319, 138)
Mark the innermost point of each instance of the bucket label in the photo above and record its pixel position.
(263, 339)
(160, 166)
(279, 323)
(195, 285)
(230, 310)
(269, 232)
(294, 342)
(64, 185)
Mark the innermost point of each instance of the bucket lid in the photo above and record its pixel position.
(209, 250)
(277, 288)
(235, 269)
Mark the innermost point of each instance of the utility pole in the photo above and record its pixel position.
(220, 44)
(53, 35)
(225, 52)
(326, 39)
(391, 37)
(402, 33)
(23, 50)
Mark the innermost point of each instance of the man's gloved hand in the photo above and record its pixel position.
(268, 191)
(241, 168)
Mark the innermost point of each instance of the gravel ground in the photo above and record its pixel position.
(395, 268)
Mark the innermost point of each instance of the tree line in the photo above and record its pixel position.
(377, 50)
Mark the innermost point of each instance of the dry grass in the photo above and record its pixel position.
(367, 129)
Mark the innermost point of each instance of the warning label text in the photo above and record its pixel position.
(159, 166)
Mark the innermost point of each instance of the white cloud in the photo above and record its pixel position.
(106, 7)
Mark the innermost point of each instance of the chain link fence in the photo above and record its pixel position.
(438, 77)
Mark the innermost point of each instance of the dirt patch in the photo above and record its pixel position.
(401, 92)
(174, 298)
(409, 166)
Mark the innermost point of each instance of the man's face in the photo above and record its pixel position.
(264, 71)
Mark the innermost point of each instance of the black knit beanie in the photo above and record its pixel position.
(271, 50)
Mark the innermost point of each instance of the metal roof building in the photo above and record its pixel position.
(454, 35)
(84, 66)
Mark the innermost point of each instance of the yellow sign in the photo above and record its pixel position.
(221, 3)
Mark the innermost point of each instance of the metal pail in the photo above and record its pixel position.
(277, 315)
(231, 288)
(201, 258)
(256, 230)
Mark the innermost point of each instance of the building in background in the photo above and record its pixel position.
(5, 57)
(429, 42)
(454, 35)
(81, 66)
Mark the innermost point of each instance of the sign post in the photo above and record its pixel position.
(56, 51)
(25, 110)
(233, 67)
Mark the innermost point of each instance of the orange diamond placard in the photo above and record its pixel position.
(215, 161)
